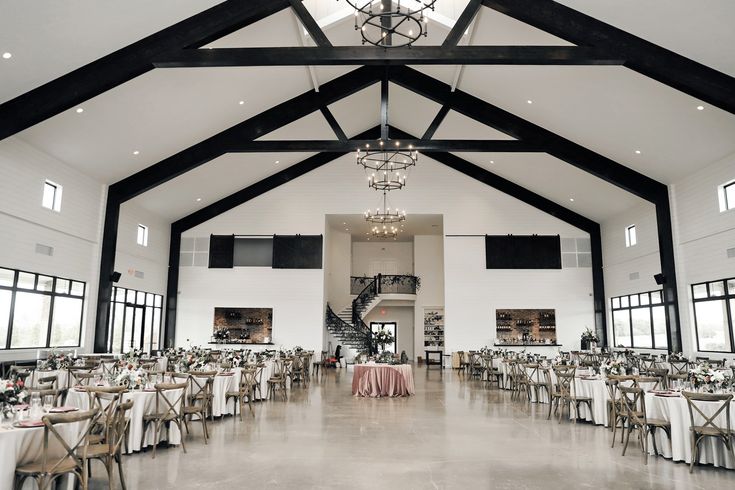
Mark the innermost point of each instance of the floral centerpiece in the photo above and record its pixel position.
(385, 357)
(195, 359)
(172, 352)
(131, 377)
(56, 360)
(704, 378)
(12, 392)
(677, 357)
(613, 367)
(132, 356)
(589, 339)
(234, 358)
(383, 337)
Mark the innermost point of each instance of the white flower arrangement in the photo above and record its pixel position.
(132, 378)
(704, 377)
(614, 367)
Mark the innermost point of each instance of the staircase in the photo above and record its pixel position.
(348, 327)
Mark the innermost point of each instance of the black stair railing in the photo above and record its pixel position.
(356, 335)
(387, 284)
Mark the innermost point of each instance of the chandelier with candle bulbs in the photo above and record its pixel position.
(387, 164)
(388, 24)
(384, 232)
(385, 215)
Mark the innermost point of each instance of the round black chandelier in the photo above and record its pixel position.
(385, 215)
(384, 232)
(387, 166)
(389, 24)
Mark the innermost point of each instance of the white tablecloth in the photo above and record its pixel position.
(676, 411)
(21, 446)
(144, 402)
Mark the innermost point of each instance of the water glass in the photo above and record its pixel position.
(48, 403)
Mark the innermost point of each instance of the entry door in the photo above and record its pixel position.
(134, 328)
(391, 327)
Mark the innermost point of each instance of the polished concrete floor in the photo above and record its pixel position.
(452, 434)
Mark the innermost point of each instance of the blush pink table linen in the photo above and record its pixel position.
(379, 380)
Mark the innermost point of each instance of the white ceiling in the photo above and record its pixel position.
(359, 229)
(611, 110)
(49, 38)
(701, 30)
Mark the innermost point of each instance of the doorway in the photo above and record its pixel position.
(135, 321)
(391, 327)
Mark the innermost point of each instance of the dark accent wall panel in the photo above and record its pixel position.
(221, 251)
(297, 252)
(523, 252)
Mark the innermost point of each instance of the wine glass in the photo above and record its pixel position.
(48, 403)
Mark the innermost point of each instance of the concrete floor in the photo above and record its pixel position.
(452, 434)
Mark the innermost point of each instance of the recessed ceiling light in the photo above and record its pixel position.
(278, 161)
(638, 152)
(242, 102)
(492, 161)
(571, 199)
(136, 152)
(700, 107)
(7, 55)
(529, 101)
(79, 110)
(199, 199)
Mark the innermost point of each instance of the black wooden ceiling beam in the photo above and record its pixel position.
(435, 123)
(332, 121)
(336, 146)
(519, 128)
(369, 55)
(255, 127)
(316, 33)
(463, 23)
(649, 59)
(129, 62)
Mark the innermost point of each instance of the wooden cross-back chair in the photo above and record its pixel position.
(708, 427)
(199, 399)
(633, 402)
(49, 467)
(110, 452)
(166, 412)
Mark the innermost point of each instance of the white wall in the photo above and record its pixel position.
(74, 233)
(337, 249)
(365, 254)
(703, 235)
(429, 267)
(152, 261)
(472, 292)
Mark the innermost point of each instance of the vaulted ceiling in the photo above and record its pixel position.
(611, 110)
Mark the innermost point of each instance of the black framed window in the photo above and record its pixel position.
(639, 320)
(714, 307)
(40, 311)
(728, 193)
(134, 320)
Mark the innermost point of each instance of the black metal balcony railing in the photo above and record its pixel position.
(386, 284)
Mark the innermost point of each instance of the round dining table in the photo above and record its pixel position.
(380, 380)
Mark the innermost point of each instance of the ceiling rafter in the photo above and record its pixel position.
(248, 130)
(587, 160)
(129, 62)
(316, 33)
(436, 122)
(463, 23)
(332, 121)
(649, 59)
(370, 55)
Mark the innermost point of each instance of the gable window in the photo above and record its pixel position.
(727, 196)
(51, 196)
(142, 235)
(630, 236)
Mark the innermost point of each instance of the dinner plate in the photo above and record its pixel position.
(28, 424)
(63, 409)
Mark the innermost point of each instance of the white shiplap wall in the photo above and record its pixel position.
(473, 292)
(73, 233)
